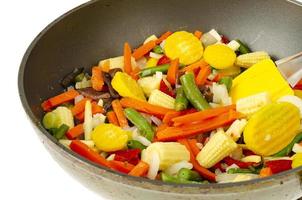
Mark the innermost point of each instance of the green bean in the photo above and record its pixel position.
(243, 49)
(172, 179)
(134, 144)
(79, 77)
(158, 49)
(187, 174)
(140, 122)
(60, 132)
(240, 171)
(152, 70)
(286, 150)
(192, 92)
(181, 102)
(227, 81)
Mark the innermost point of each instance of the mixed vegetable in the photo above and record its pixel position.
(182, 108)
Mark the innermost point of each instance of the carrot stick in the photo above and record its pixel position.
(144, 49)
(198, 34)
(202, 75)
(174, 133)
(97, 79)
(106, 66)
(144, 106)
(75, 132)
(59, 99)
(127, 58)
(201, 170)
(95, 109)
(265, 172)
(120, 166)
(79, 107)
(135, 73)
(202, 115)
(173, 71)
(194, 66)
(217, 77)
(163, 37)
(161, 127)
(140, 169)
(112, 118)
(193, 146)
(170, 115)
(119, 111)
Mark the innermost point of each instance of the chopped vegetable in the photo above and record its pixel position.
(151, 62)
(249, 59)
(144, 49)
(152, 70)
(88, 126)
(150, 83)
(240, 171)
(227, 81)
(157, 49)
(117, 62)
(123, 167)
(252, 158)
(293, 100)
(198, 34)
(219, 56)
(279, 165)
(243, 49)
(202, 75)
(192, 92)
(119, 112)
(140, 169)
(59, 133)
(272, 128)
(112, 118)
(97, 80)
(127, 58)
(51, 120)
(265, 172)
(59, 99)
(150, 38)
(236, 129)
(297, 148)
(163, 37)
(194, 66)
(181, 101)
(75, 132)
(175, 168)
(220, 94)
(134, 144)
(210, 38)
(173, 72)
(234, 45)
(297, 160)
(286, 150)
(79, 107)
(159, 98)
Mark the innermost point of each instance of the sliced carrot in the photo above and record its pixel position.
(170, 115)
(75, 132)
(173, 71)
(144, 49)
(97, 79)
(202, 115)
(112, 118)
(95, 109)
(193, 146)
(194, 66)
(140, 169)
(174, 133)
(144, 106)
(119, 111)
(79, 107)
(202, 75)
(135, 73)
(120, 166)
(106, 66)
(198, 34)
(59, 99)
(265, 172)
(127, 58)
(163, 37)
(217, 77)
(201, 170)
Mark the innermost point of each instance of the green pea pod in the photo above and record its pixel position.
(134, 144)
(181, 101)
(171, 179)
(152, 70)
(192, 92)
(187, 174)
(60, 132)
(140, 122)
(286, 150)
(227, 81)
(157, 49)
(243, 49)
(240, 171)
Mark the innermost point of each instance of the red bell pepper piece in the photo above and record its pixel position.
(248, 152)
(224, 39)
(219, 166)
(164, 88)
(123, 167)
(129, 155)
(163, 60)
(279, 165)
(229, 161)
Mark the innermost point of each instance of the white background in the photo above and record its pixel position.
(26, 169)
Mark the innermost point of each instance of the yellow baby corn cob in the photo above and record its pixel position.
(169, 153)
(151, 62)
(218, 147)
(161, 99)
(251, 104)
(249, 59)
(236, 129)
(272, 128)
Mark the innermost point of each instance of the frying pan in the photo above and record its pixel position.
(98, 29)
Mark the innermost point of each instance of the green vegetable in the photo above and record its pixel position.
(227, 81)
(286, 150)
(60, 132)
(51, 120)
(140, 122)
(79, 77)
(243, 49)
(172, 179)
(158, 49)
(181, 102)
(241, 171)
(192, 92)
(134, 144)
(187, 174)
(152, 70)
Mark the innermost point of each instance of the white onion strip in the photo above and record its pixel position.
(154, 166)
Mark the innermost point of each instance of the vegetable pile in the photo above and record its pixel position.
(182, 108)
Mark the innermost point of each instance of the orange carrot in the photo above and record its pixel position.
(193, 146)
(123, 167)
(194, 66)
(75, 132)
(202, 115)
(144, 49)
(95, 109)
(112, 118)
(161, 127)
(79, 107)
(217, 77)
(265, 172)
(174, 133)
(119, 111)
(127, 58)
(201, 170)
(163, 37)
(97, 79)
(170, 115)
(202, 75)
(140, 169)
(59, 99)
(144, 106)
(106, 66)
(173, 71)
(135, 73)
(198, 34)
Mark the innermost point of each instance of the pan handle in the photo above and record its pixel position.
(297, 2)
